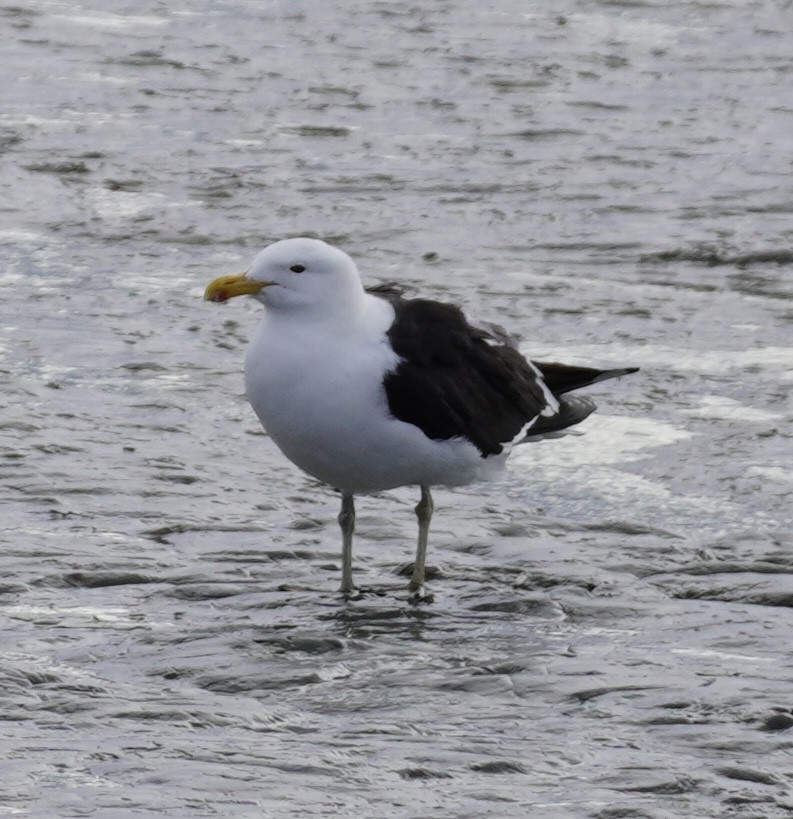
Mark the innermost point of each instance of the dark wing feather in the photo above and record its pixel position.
(390, 291)
(455, 380)
(572, 410)
(562, 378)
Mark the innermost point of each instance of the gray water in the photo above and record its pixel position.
(610, 629)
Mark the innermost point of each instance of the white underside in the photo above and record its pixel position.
(318, 391)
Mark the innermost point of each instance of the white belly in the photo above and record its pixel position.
(321, 399)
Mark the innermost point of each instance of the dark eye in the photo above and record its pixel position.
(297, 268)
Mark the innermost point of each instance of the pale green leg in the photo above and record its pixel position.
(424, 511)
(347, 523)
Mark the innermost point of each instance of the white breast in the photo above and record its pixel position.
(318, 391)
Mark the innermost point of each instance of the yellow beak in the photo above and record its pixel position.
(237, 284)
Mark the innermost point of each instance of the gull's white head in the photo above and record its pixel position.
(295, 274)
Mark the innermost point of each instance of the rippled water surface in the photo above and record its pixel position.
(610, 629)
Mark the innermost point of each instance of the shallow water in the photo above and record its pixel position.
(610, 627)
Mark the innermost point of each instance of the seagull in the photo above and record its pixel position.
(367, 391)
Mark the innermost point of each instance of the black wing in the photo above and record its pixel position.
(459, 381)
(455, 380)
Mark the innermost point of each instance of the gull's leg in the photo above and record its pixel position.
(347, 523)
(424, 514)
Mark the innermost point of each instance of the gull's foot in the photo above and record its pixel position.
(420, 595)
(409, 570)
(355, 593)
